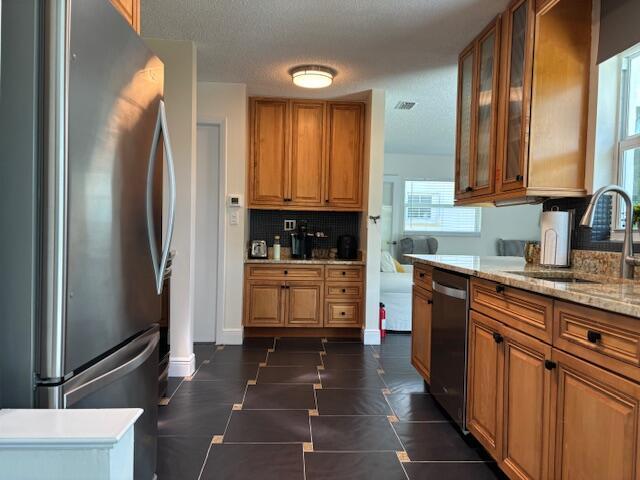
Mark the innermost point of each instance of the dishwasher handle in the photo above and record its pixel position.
(449, 291)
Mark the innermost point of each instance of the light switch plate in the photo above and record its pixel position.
(234, 218)
(289, 225)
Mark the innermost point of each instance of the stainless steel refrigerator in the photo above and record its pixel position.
(83, 147)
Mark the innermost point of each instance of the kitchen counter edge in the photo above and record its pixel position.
(621, 297)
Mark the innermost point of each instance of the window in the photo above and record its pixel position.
(428, 207)
(629, 129)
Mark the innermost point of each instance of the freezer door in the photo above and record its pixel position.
(115, 86)
(127, 378)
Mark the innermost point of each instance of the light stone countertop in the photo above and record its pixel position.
(87, 428)
(612, 294)
(315, 261)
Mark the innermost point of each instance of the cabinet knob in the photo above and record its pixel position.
(498, 338)
(468, 189)
(429, 302)
(286, 272)
(593, 337)
(344, 273)
(519, 178)
(549, 365)
(344, 290)
(421, 275)
(499, 288)
(343, 313)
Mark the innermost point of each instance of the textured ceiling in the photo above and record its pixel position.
(408, 48)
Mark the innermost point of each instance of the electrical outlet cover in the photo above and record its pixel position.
(289, 225)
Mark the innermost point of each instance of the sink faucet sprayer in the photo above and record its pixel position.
(627, 261)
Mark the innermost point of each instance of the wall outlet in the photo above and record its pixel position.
(289, 225)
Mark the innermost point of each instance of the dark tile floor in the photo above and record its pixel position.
(310, 410)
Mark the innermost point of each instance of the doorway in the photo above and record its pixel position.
(207, 233)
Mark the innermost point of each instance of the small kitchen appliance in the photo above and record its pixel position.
(302, 242)
(555, 241)
(258, 249)
(347, 247)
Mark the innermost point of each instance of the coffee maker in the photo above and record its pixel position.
(302, 243)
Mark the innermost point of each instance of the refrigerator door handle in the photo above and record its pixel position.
(160, 261)
(90, 381)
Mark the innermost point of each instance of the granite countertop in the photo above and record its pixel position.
(315, 261)
(611, 294)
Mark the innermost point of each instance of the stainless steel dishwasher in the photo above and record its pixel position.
(449, 343)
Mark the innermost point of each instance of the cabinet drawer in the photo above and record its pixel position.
(607, 339)
(284, 272)
(342, 314)
(344, 290)
(350, 274)
(527, 312)
(422, 276)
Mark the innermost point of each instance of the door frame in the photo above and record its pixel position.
(221, 123)
(396, 199)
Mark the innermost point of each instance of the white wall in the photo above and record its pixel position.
(376, 157)
(226, 104)
(207, 220)
(511, 223)
(180, 73)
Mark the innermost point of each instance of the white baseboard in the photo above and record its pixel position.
(182, 366)
(231, 336)
(371, 336)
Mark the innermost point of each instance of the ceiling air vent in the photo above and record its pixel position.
(405, 105)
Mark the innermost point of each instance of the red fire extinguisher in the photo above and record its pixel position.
(383, 320)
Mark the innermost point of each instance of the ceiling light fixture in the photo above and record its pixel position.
(312, 76)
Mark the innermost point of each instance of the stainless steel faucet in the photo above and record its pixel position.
(627, 260)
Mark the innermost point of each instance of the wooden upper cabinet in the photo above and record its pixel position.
(466, 121)
(307, 153)
(539, 105)
(345, 155)
(130, 10)
(596, 422)
(269, 168)
(517, 64)
(477, 114)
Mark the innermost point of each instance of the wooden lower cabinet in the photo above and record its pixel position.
(484, 381)
(342, 314)
(264, 304)
(509, 397)
(421, 332)
(304, 301)
(296, 296)
(525, 407)
(596, 422)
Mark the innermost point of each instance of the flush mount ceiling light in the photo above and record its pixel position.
(312, 76)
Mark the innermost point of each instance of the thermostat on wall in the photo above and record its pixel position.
(235, 200)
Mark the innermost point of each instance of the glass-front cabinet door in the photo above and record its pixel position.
(513, 151)
(465, 127)
(486, 103)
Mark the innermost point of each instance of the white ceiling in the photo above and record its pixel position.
(407, 47)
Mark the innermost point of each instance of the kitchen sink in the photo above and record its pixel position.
(554, 277)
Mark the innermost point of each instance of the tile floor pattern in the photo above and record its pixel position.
(306, 409)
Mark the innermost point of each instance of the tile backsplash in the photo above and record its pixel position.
(598, 238)
(266, 224)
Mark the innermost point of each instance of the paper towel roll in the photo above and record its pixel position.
(555, 241)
